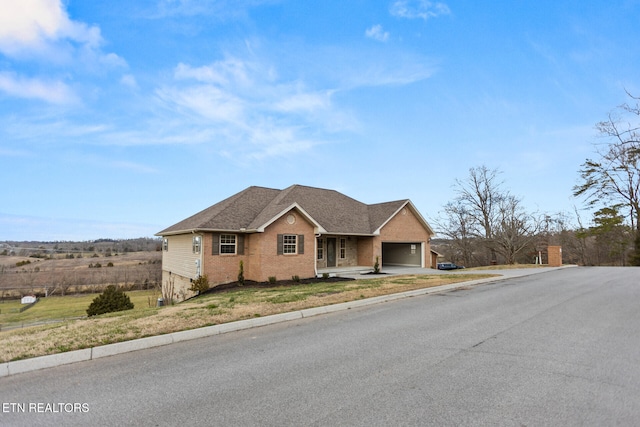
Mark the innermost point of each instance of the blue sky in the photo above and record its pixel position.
(120, 118)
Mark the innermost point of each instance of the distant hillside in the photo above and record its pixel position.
(100, 246)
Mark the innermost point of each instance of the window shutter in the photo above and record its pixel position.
(215, 245)
(240, 244)
(300, 244)
(280, 244)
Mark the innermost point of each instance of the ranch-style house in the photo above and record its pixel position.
(299, 231)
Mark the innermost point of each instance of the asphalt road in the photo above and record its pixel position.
(557, 348)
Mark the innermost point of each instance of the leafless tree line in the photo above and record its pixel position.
(485, 224)
(32, 279)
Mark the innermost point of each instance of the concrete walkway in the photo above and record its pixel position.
(42, 362)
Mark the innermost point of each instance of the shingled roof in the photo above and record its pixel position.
(256, 207)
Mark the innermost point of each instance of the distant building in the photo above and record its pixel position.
(28, 299)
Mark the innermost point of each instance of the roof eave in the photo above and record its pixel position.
(340, 233)
(206, 230)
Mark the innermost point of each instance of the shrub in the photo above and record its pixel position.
(376, 266)
(112, 299)
(296, 278)
(272, 280)
(200, 285)
(241, 274)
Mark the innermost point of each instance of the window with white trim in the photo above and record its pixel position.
(196, 244)
(343, 248)
(289, 244)
(320, 254)
(165, 244)
(228, 243)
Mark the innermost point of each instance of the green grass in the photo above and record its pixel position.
(287, 294)
(12, 306)
(507, 267)
(67, 307)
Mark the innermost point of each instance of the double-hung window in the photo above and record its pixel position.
(289, 244)
(227, 243)
(196, 244)
(343, 248)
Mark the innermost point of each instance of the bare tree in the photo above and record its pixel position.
(485, 214)
(481, 194)
(517, 229)
(456, 227)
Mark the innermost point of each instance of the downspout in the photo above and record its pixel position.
(315, 254)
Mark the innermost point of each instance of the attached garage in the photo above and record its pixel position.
(402, 254)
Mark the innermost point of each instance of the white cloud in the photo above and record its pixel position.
(54, 92)
(112, 60)
(233, 89)
(129, 81)
(377, 33)
(422, 9)
(36, 25)
(41, 30)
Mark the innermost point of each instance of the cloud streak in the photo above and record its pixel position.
(53, 92)
(244, 106)
(418, 9)
(220, 9)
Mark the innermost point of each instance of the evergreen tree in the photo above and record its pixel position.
(112, 299)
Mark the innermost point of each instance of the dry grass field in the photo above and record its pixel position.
(65, 274)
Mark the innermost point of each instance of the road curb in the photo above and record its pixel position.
(53, 360)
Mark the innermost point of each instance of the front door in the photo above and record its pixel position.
(331, 252)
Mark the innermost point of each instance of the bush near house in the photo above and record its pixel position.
(200, 285)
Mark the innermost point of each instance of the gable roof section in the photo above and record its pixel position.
(385, 216)
(255, 208)
(335, 212)
(233, 213)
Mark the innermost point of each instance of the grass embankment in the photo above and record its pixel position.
(215, 308)
(62, 308)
